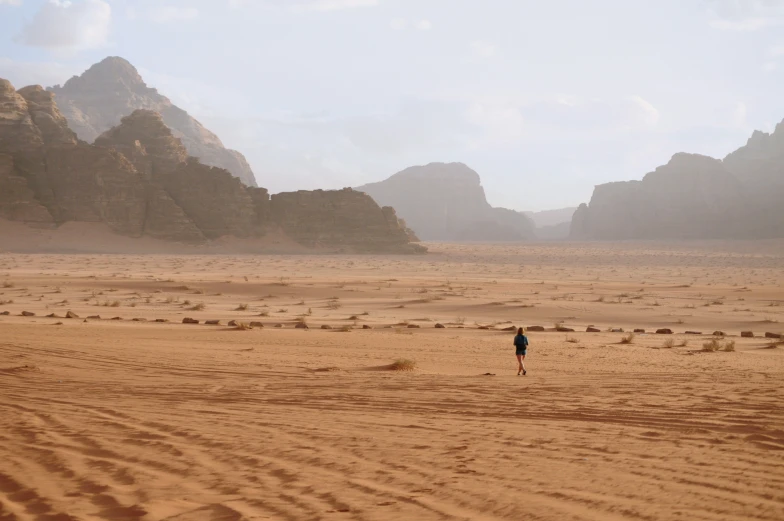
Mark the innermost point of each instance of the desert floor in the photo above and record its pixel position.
(138, 420)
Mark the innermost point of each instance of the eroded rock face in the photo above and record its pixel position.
(139, 180)
(692, 197)
(112, 89)
(443, 201)
(319, 218)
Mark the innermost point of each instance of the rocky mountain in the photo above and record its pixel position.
(139, 180)
(695, 197)
(552, 217)
(446, 202)
(112, 89)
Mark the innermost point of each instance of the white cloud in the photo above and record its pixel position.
(777, 51)
(481, 50)
(10, 2)
(168, 13)
(770, 66)
(423, 25)
(62, 24)
(650, 114)
(333, 5)
(746, 15)
(399, 24)
(745, 25)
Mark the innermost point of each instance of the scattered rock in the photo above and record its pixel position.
(639, 331)
(535, 328)
(480, 327)
(27, 314)
(215, 323)
(53, 315)
(5, 313)
(413, 326)
(326, 326)
(365, 326)
(278, 325)
(562, 329)
(95, 317)
(664, 331)
(693, 332)
(593, 330)
(440, 326)
(140, 320)
(257, 324)
(161, 320)
(301, 325)
(187, 320)
(719, 333)
(71, 314)
(617, 330)
(117, 318)
(747, 334)
(510, 328)
(773, 335)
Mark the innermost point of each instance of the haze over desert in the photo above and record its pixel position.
(131, 419)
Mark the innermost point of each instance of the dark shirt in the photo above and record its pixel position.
(521, 341)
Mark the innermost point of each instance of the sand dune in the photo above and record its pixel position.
(124, 420)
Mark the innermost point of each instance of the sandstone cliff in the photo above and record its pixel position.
(446, 202)
(139, 180)
(694, 197)
(112, 89)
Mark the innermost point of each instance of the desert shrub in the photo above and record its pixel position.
(669, 343)
(628, 339)
(403, 364)
(333, 305)
(115, 304)
(198, 307)
(8, 284)
(717, 345)
(242, 326)
(572, 340)
(242, 307)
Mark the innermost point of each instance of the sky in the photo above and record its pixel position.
(544, 100)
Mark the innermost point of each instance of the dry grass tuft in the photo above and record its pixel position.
(628, 339)
(242, 307)
(242, 326)
(198, 307)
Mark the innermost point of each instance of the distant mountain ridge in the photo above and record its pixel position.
(446, 202)
(138, 181)
(695, 197)
(112, 89)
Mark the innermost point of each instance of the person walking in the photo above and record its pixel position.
(521, 346)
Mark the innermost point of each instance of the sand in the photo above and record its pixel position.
(138, 420)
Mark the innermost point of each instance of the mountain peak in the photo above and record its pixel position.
(111, 70)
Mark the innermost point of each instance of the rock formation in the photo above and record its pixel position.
(446, 202)
(694, 197)
(139, 180)
(552, 225)
(112, 89)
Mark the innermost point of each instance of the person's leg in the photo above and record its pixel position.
(520, 367)
(522, 363)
